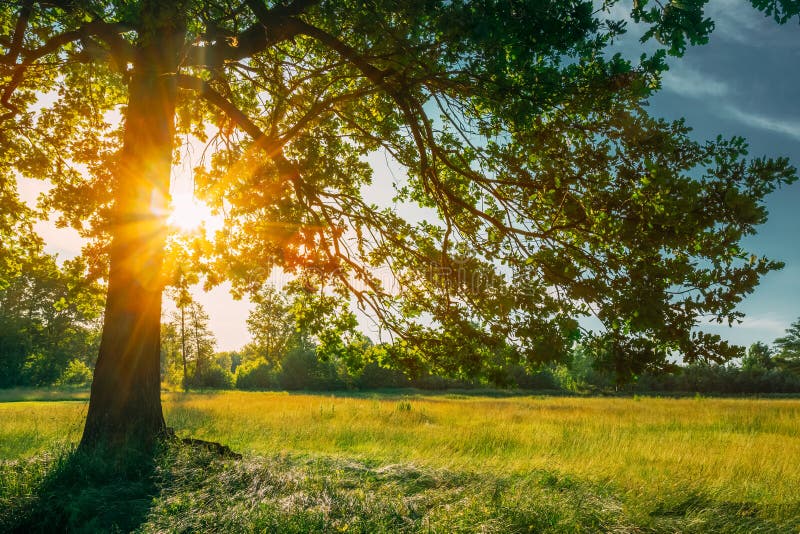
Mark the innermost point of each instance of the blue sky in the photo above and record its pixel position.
(744, 82)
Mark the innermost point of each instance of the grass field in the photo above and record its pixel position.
(443, 462)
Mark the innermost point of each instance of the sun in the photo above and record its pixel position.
(189, 214)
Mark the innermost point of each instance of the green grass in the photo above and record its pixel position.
(423, 463)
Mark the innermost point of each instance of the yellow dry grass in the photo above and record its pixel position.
(736, 450)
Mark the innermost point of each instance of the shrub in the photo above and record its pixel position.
(256, 375)
(439, 383)
(41, 369)
(301, 369)
(523, 379)
(215, 377)
(77, 374)
(374, 376)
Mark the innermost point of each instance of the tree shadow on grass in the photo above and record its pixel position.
(78, 492)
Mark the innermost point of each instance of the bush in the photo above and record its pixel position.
(256, 375)
(41, 369)
(374, 376)
(77, 374)
(215, 377)
(301, 369)
(543, 379)
(440, 383)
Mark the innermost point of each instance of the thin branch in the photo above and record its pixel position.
(374, 74)
(244, 122)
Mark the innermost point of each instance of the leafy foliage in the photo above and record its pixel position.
(550, 192)
(788, 346)
(270, 323)
(758, 357)
(49, 317)
(781, 10)
(77, 374)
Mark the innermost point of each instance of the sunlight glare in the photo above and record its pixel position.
(189, 214)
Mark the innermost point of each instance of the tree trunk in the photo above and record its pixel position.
(125, 402)
(183, 348)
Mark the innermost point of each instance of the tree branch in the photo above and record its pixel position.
(274, 26)
(269, 143)
(374, 74)
(103, 30)
(19, 69)
(202, 88)
(19, 30)
(121, 50)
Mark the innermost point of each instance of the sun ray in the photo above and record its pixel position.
(189, 214)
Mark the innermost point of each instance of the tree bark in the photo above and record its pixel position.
(125, 402)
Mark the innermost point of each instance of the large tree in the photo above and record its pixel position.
(550, 193)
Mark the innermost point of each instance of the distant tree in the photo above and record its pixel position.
(308, 317)
(555, 194)
(188, 337)
(788, 346)
(182, 297)
(270, 324)
(202, 341)
(76, 374)
(173, 368)
(229, 360)
(303, 369)
(758, 357)
(256, 374)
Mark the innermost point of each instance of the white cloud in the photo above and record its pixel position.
(735, 20)
(753, 328)
(788, 127)
(739, 22)
(767, 324)
(689, 82)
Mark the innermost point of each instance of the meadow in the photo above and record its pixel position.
(388, 462)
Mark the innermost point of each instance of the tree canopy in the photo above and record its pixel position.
(550, 193)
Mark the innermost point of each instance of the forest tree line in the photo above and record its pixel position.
(50, 321)
(307, 339)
